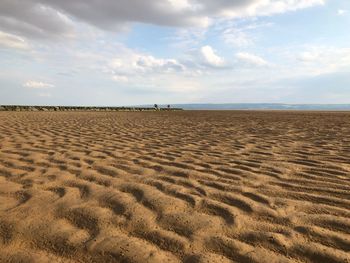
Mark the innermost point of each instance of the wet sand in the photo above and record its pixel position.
(191, 186)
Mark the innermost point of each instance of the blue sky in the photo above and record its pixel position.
(174, 51)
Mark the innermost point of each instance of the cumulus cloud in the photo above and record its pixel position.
(251, 59)
(146, 63)
(12, 41)
(132, 62)
(211, 57)
(37, 85)
(138, 70)
(49, 18)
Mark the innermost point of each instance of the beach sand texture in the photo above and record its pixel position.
(191, 186)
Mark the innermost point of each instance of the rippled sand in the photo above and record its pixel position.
(174, 187)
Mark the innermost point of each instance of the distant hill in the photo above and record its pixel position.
(259, 106)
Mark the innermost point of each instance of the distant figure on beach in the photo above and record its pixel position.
(155, 106)
(168, 106)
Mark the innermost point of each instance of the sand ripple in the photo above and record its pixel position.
(174, 187)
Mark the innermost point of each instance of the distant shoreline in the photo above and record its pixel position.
(259, 106)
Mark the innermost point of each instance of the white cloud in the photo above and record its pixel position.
(342, 12)
(235, 34)
(37, 85)
(251, 59)
(323, 59)
(211, 57)
(131, 62)
(12, 41)
(180, 4)
(146, 72)
(309, 56)
(120, 78)
(187, 38)
(150, 63)
(237, 38)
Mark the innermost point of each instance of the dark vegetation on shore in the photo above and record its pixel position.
(81, 108)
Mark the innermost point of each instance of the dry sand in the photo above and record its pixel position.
(174, 187)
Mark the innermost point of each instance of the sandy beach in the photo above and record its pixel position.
(191, 186)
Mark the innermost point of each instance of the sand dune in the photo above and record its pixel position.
(174, 187)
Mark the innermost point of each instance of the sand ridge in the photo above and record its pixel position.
(192, 186)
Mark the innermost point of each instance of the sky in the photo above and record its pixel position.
(134, 52)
